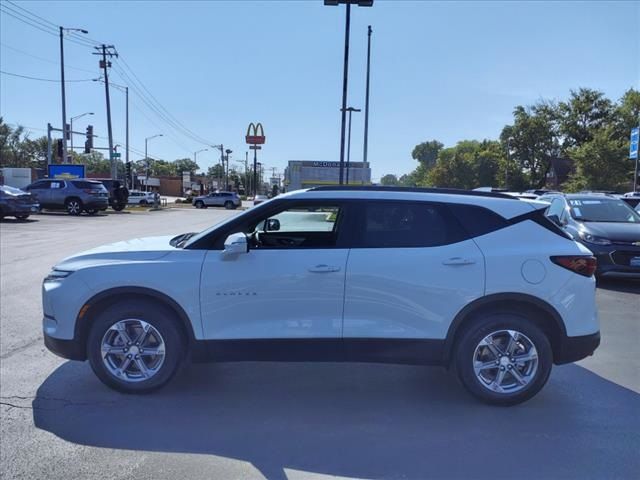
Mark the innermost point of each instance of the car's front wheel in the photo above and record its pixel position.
(199, 204)
(503, 359)
(135, 346)
(229, 205)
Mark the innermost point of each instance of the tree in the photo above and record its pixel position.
(601, 163)
(427, 153)
(586, 112)
(533, 140)
(627, 113)
(185, 165)
(389, 180)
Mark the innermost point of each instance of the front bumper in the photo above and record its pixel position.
(70, 349)
(616, 260)
(573, 349)
(22, 208)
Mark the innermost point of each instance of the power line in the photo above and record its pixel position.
(45, 79)
(48, 27)
(43, 59)
(190, 133)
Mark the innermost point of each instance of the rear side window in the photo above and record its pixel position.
(406, 225)
(83, 184)
(477, 220)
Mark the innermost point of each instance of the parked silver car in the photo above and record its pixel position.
(228, 200)
(75, 196)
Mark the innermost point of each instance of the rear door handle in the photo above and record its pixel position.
(324, 269)
(458, 261)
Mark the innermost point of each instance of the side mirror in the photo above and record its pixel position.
(273, 225)
(236, 243)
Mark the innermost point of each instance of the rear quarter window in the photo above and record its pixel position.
(477, 220)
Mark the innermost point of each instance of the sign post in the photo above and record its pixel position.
(255, 137)
(633, 154)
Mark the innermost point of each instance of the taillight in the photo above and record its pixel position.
(580, 264)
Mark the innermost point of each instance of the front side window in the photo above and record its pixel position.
(407, 225)
(298, 227)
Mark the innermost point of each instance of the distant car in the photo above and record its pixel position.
(228, 200)
(16, 203)
(74, 196)
(605, 225)
(259, 199)
(138, 197)
(632, 199)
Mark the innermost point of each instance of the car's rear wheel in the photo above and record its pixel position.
(503, 358)
(118, 206)
(73, 206)
(199, 204)
(229, 205)
(143, 202)
(135, 346)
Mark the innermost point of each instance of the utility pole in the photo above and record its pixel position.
(126, 90)
(108, 51)
(49, 162)
(366, 102)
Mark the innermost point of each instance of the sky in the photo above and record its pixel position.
(439, 70)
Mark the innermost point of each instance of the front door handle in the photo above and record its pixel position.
(458, 261)
(324, 269)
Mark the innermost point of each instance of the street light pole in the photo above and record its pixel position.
(350, 110)
(226, 175)
(366, 102)
(345, 76)
(65, 158)
(146, 160)
(71, 126)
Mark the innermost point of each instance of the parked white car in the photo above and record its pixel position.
(478, 281)
(138, 197)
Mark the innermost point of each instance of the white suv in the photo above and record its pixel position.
(478, 281)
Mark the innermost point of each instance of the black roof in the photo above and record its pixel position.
(448, 191)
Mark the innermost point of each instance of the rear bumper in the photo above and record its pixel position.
(70, 349)
(573, 349)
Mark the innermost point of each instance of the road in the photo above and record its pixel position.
(277, 421)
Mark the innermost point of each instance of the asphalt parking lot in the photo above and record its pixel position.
(280, 421)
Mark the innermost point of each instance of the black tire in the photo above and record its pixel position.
(160, 318)
(199, 204)
(73, 206)
(479, 329)
(143, 202)
(118, 206)
(229, 205)
(22, 217)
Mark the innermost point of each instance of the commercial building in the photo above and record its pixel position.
(306, 174)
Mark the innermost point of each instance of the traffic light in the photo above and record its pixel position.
(68, 132)
(128, 169)
(59, 149)
(88, 144)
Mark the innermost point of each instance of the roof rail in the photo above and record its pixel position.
(448, 191)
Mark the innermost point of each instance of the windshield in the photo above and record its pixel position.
(602, 210)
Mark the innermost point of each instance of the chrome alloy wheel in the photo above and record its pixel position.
(74, 207)
(505, 361)
(132, 350)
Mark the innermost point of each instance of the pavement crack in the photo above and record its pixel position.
(64, 403)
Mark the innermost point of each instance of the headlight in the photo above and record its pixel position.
(587, 237)
(57, 275)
